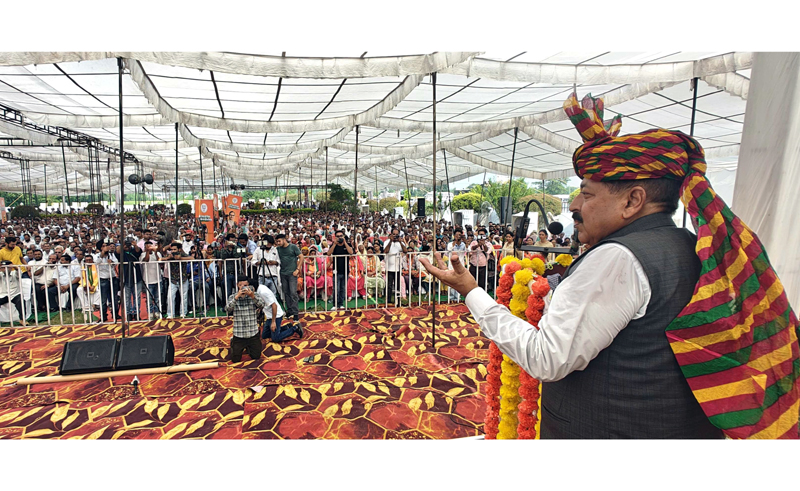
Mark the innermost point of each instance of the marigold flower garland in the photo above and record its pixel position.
(509, 400)
(529, 387)
(492, 418)
(522, 289)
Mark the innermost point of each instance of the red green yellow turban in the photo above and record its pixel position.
(737, 339)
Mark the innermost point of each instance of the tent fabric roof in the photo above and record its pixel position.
(256, 117)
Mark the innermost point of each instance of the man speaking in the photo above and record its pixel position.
(654, 332)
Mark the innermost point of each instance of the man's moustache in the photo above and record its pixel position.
(577, 217)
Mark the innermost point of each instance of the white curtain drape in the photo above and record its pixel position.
(768, 175)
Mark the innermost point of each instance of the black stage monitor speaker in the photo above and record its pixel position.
(96, 355)
(505, 216)
(420, 207)
(145, 352)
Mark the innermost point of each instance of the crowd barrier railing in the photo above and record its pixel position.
(88, 292)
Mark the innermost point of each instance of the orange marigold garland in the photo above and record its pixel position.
(529, 386)
(491, 421)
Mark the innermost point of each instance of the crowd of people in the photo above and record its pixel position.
(74, 262)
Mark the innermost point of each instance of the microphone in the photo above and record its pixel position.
(555, 228)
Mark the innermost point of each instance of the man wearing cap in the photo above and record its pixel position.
(654, 332)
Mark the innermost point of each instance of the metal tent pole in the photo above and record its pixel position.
(447, 176)
(435, 222)
(202, 187)
(123, 317)
(483, 185)
(109, 185)
(691, 126)
(214, 170)
(45, 188)
(408, 190)
(327, 198)
(355, 174)
(66, 180)
(176, 174)
(509, 207)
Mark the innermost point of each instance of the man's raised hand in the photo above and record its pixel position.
(457, 278)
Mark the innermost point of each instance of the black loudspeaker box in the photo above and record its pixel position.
(95, 355)
(145, 352)
(505, 216)
(420, 207)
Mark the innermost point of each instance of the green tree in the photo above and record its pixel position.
(467, 201)
(573, 195)
(184, 209)
(494, 190)
(340, 194)
(556, 186)
(388, 204)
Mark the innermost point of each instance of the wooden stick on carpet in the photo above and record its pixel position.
(52, 379)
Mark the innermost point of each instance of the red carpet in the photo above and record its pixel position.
(344, 379)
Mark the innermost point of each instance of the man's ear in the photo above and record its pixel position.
(636, 198)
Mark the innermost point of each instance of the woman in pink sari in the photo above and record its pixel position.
(355, 278)
(314, 276)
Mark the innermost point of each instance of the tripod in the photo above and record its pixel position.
(270, 276)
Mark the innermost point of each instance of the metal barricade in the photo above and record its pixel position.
(73, 293)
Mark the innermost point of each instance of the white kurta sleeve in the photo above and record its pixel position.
(589, 308)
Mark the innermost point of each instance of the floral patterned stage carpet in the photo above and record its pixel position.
(344, 380)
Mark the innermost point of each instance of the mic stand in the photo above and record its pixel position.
(522, 229)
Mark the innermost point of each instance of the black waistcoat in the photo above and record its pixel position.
(634, 388)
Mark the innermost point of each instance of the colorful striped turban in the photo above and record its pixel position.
(737, 339)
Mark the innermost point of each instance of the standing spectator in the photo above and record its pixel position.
(179, 279)
(266, 261)
(340, 251)
(151, 276)
(394, 247)
(133, 278)
(478, 258)
(291, 259)
(230, 258)
(107, 270)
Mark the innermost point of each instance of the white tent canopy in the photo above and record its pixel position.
(256, 118)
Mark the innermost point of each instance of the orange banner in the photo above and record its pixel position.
(232, 204)
(3, 209)
(204, 213)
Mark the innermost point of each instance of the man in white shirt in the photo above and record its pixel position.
(458, 245)
(393, 248)
(266, 264)
(273, 328)
(106, 262)
(151, 276)
(68, 277)
(38, 271)
(601, 350)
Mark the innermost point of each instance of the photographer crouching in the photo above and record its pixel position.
(245, 305)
